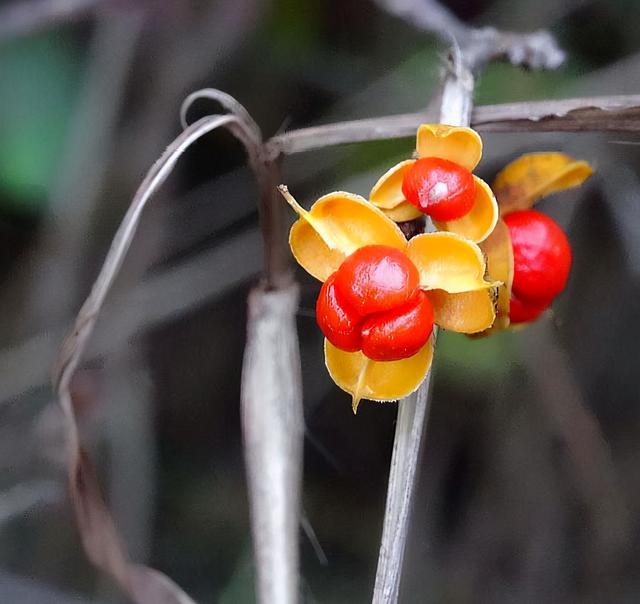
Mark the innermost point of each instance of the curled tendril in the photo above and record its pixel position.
(227, 102)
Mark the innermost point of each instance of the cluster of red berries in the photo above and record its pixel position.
(445, 191)
(373, 303)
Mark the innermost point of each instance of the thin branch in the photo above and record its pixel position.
(271, 388)
(535, 50)
(226, 101)
(591, 114)
(410, 426)
(85, 321)
(307, 527)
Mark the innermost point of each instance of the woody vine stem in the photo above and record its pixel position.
(271, 384)
(455, 110)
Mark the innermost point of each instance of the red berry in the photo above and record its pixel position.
(440, 188)
(373, 302)
(339, 323)
(398, 333)
(542, 256)
(376, 278)
(525, 312)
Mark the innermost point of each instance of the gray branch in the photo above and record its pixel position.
(619, 113)
(478, 46)
(272, 427)
(413, 412)
(591, 114)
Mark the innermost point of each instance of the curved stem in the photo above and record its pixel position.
(100, 537)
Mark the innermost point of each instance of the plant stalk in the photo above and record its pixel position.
(455, 110)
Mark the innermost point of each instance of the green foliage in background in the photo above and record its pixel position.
(476, 363)
(39, 88)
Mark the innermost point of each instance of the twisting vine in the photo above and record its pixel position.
(100, 537)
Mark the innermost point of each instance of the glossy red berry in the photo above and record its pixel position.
(398, 333)
(525, 312)
(542, 256)
(440, 188)
(373, 303)
(376, 278)
(339, 323)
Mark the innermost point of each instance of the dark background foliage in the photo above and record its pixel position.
(528, 488)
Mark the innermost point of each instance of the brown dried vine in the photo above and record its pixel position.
(100, 537)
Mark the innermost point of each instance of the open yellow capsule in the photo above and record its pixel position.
(374, 380)
(448, 261)
(460, 145)
(451, 268)
(387, 192)
(499, 253)
(481, 220)
(467, 312)
(337, 225)
(520, 184)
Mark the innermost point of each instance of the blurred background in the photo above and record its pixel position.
(529, 489)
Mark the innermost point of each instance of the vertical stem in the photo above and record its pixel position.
(272, 410)
(455, 110)
(457, 93)
(412, 417)
(272, 422)
(273, 224)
